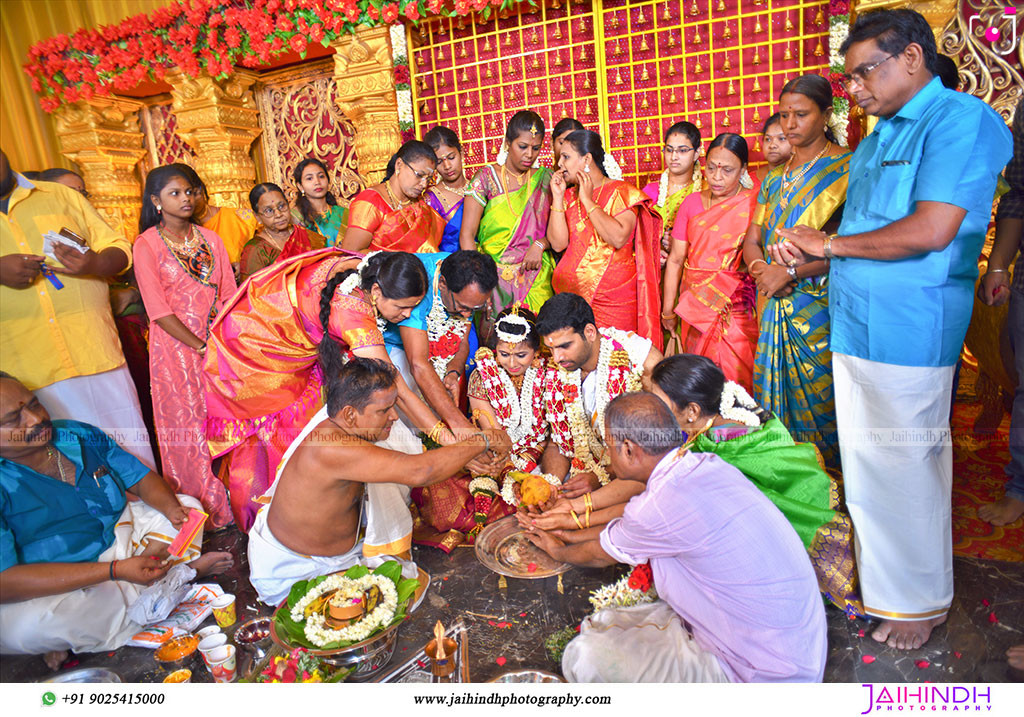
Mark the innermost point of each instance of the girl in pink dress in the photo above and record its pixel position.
(185, 276)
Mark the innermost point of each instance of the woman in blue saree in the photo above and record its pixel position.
(793, 363)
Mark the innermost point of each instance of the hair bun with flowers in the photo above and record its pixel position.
(355, 278)
(612, 170)
(737, 405)
(513, 328)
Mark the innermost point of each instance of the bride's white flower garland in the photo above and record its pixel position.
(355, 280)
(589, 452)
(442, 325)
(316, 629)
(518, 412)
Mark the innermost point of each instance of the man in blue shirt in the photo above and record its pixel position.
(74, 552)
(903, 267)
(430, 347)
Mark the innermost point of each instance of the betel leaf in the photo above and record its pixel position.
(356, 572)
(406, 588)
(390, 570)
(295, 594)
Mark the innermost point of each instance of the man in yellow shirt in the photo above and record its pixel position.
(62, 342)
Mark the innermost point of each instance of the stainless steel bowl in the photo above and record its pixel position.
(86, 675)
(368, 656)
(529, 676)
(247, 636)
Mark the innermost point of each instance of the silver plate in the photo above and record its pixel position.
(528, 676)
(504, 548)
(89, 674)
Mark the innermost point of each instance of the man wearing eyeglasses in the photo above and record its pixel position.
(430, 348)
(903, 267)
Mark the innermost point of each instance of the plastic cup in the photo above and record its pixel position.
(222, 664)
(207, 631)
(224, 610)
(183, 676)
(210, 643)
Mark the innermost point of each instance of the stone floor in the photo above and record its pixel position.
(969, 648)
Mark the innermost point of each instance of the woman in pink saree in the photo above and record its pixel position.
(714, 302)
(185, 277)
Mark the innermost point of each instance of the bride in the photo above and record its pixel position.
(505, 391)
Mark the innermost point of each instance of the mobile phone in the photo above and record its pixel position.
(68, 234)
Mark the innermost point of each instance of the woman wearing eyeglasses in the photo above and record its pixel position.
(392, 215)
(681, 178)
(793, 365)
(277, 238)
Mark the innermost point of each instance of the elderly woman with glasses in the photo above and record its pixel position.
(277, 238)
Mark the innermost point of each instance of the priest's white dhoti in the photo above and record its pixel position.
(897, 455)
(93, 619)
(642, 643)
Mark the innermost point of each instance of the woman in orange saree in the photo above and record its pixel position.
(261, 376)
(715, 303)
(611, 234)
(392, 216)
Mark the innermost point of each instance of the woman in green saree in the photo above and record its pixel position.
(506, 217)
(720, 417)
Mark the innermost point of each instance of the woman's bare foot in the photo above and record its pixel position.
(55, 659)
(212, 564)
(1015, 656)
(1003, 512)
(906, 634)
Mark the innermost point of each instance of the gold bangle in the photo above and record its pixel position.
(592, 209)
(755, 261)
(576, 518)
(436, 431)
(588, 501)
(557, 209)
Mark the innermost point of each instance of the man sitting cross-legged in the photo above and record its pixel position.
(725, 561)
(74, 552)
(594, 366)
(333, 475)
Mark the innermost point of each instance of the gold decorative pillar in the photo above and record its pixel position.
(366, 95)
(102, 137)
(219, 120)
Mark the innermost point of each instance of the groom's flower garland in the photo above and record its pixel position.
(316, 629)
(636, 588)
(571, 430)
(444, 332)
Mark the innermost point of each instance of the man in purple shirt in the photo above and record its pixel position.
(725, 560)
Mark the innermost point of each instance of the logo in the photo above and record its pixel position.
(930, 698)
(49, 698)
(993, 32)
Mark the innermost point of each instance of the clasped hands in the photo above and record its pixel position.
(801, 244)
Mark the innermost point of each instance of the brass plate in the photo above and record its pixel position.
(504, 548)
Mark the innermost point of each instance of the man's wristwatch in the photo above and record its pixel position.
(791, 270)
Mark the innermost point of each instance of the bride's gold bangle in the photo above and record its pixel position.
(576, 518)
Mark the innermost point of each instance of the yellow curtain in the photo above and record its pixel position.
(26, 132)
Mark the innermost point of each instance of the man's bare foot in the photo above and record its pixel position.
(906, 634)
(55, 659)
(1015, 656)
(1003, 512)
(212, 564)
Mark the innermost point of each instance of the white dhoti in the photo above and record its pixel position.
(897, 456)
(385, 517)
(95, 618)
(107, 400)
(643, 643)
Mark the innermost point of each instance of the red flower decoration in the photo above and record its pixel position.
(402, 74)
(839, 7)
(641, 578)
(412, 11)
(389, 13)
(297, 43)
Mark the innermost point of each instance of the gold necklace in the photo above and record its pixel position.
(55, 456)
(395, 202)
(788, 185)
